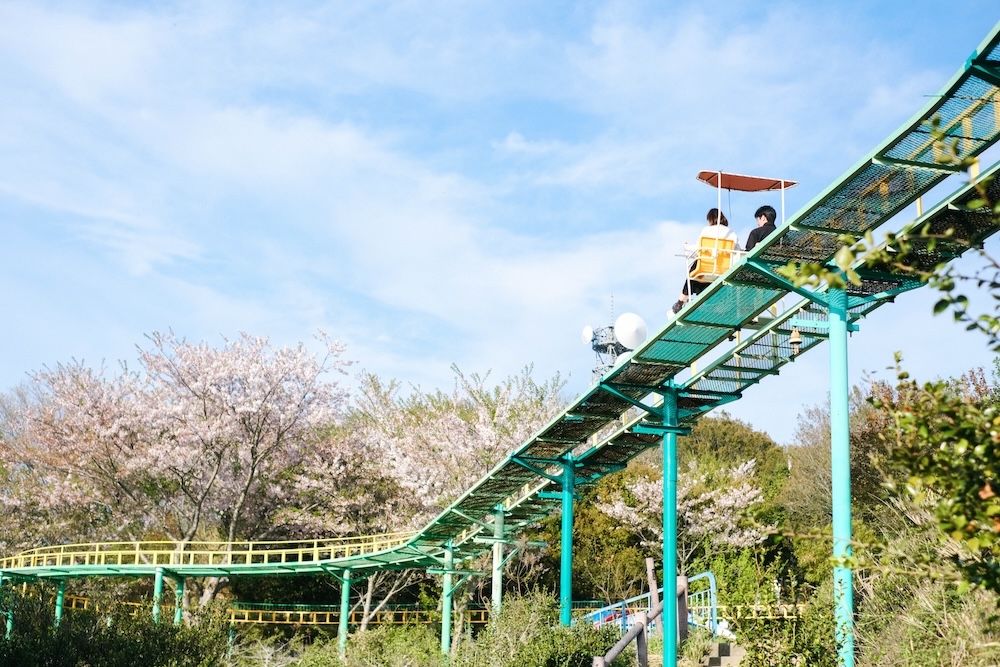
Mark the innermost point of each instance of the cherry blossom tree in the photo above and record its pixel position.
(199, 443)
(434, 445)
(711, 508)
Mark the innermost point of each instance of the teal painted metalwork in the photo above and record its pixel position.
(60, 597)
(179, 601)
(157, 593)
(840, 471)
(498, 560)
(447, 590)
(704, 604)
(345, 608)
(670, 426)
(566, 544)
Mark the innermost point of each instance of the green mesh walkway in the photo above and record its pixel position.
(603, 428)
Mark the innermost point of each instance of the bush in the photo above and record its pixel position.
(807, 640)
(526, 632)
(87, 639)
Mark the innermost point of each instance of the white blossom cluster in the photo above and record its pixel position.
(436, 445)
(711, 509)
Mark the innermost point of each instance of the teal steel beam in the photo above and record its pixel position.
(481, 524)
(60, 598)
(746, 369)
(446, 598)
(524, 462)
(8, 614)
(561, 441)
(157, 593)
(671, 428)
(345, 612)
(989, 74)
(895, 162)
(840, 471)
(763, 269)
(179, 601)
(566, 544)
(656, 412)
(656, 429)
(496, 594)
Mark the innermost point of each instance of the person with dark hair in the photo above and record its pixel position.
(765, 216)
(717, 228)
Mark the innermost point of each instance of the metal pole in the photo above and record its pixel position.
(157, 594)
(654, 592)
(497, 594)
(670, 526)
(345, 610)
(840, 471)
(60, 597)
(446, 593)
(179, 601)
(9, 614)
(566, 545)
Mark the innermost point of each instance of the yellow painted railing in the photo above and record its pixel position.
(762, 611)
(384, 617)
(291, 616)
(203, 553)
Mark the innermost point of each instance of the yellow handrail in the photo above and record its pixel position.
(203, 553)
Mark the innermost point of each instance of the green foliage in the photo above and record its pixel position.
(387, 646)
(608, 562)
(925, 624)
(526, 632)
(947, 447)
(805, 640)
(96, 640)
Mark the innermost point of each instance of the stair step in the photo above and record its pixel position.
(724, 654)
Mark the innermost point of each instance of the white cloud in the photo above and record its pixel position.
(433, 184)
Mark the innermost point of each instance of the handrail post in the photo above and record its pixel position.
(653, 591)
(641, 642)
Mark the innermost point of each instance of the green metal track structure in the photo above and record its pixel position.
(620, 415)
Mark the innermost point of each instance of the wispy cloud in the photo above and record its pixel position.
(433, 183)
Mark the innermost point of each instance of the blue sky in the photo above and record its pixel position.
(433, 182)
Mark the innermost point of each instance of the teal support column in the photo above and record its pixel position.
(179, 601)
(157, 594)
(497, 589)
(8, 614)
(345, 611)
(840, 472)
(566, 548)
(670, 425)
(60, 598)
(447, 589)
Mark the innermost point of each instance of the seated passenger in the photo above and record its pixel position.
(765, 215)
(718, 228)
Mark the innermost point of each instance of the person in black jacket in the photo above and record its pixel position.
(766, 216)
